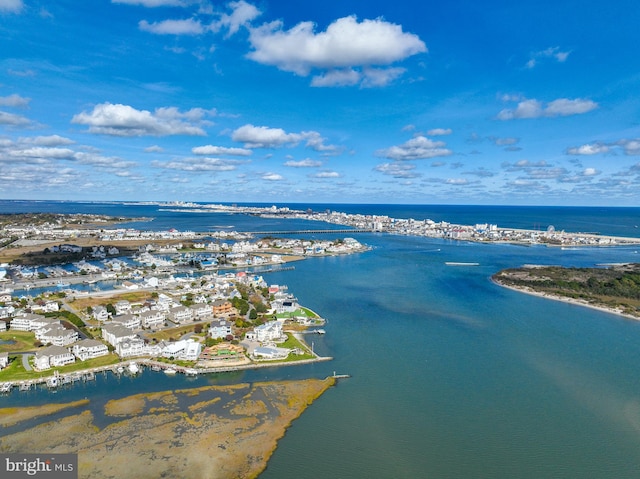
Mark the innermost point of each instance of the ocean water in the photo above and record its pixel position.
(452, 376)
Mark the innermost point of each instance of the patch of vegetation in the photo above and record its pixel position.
(616, 287)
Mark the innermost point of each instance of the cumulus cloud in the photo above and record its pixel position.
(306, 163)
(417, 148)
(504, 141)
(272, 177)
(398, 170)
(457, 181)
(242, 14)
(13, 120)
(536, 109)
(15, 101)
(588, 149)
(124, 120)
(198, 164)
(345, 45)
(155, 3)
(631, 147)
(264, 137)
(153, 149)
(51, 140)
(11, 6)
(551, 52)
(220, 151)
(439, 131)
(326, 174)
(172, 27)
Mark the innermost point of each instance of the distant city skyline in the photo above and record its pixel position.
(462, 102)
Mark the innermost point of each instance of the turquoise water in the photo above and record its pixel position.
(452, 376)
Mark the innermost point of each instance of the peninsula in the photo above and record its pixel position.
(613, 288)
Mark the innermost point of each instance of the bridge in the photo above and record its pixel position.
(294, 232)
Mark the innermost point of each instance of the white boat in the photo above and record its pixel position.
(170, 371)
(133, 368)
(52, 382)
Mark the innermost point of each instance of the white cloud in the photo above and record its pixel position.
(44, 152)
(220, 151)
(154, 3)
(198, 164)
(316, 142)
(417, 148)
(343, 77)
(631, 147)
(588, 149)
(559, 107)
(11, 6)
(439, 131)
(457, 181)
(379, 77)
(15, 101)
(264, 137)
(172, 27)
(51, 140)
(272, 177)
(551, 52)
(243, 13)
(590, 172)
(13, 120)
(306, 163)
(505, 141)
(345, 44)
(124, 120)
(326, 174)
(398, 170)
(153, 149)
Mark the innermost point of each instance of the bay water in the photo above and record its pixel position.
(452, 375)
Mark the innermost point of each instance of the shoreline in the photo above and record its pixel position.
(564, 299)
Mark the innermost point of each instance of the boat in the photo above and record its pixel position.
(320, 331)
(52, 382)
(156, 368)
(133, 368)
(5, 387)
(170, 371)
(191, 372)
(119, 369)
(25, 386)
(62, 284)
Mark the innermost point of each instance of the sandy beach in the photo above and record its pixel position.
(564, 299)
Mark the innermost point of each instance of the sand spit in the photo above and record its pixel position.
(209, 433)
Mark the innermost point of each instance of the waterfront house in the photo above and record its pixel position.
(89, 349)
(52, 357)
(3, 326)
(269, 331)
(270, 353)
(152, 318)
(115, 333)
(220, 328)
(222, 351)
(184, 349)
(57, 335)
(136, 347)
(4, 360)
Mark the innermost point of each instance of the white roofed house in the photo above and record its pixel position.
(4, 360)
(136, 347)
(100, 313)
(31, 322)
(122, 307)
(201, 311)
(53, 356)
(127, 320)
(89, 349)
(269, 331)
(115, 333)
(3, 326)
(184, 349)
(57, 335)
(181, 314)
(152, 319)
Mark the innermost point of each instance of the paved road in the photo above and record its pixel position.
(25, 361)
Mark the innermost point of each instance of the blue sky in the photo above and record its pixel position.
(467, 102)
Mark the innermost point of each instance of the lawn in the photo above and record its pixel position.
(175, 333)
(16, 372)
(24, 341)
